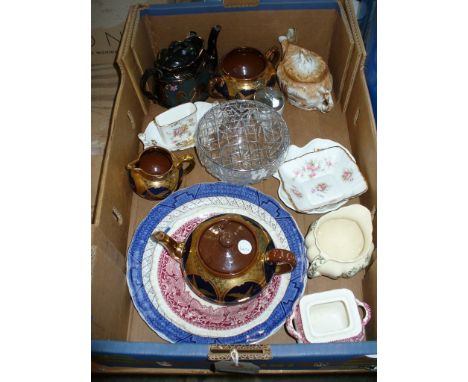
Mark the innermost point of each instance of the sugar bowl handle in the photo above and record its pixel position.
(285, 260)
(291, 330)
(367, 310)
(188, 161)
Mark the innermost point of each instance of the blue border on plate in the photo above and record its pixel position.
(167, 329)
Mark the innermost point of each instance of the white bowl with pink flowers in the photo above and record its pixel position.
(311, 181)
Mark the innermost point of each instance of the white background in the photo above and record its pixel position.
(45, 190)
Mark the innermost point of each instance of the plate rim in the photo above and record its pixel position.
(180, 322)
(284, 219)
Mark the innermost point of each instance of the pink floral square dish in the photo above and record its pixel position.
(320, 178)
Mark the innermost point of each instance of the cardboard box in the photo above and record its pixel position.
(358, 55)
(105, 44)
(108, 20)
(122, 342)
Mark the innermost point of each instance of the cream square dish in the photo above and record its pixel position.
(319, 178)
(330, 316)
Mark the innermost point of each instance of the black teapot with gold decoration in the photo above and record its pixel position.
(182, 71)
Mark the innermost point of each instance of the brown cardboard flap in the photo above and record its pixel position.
(109, 292)
(314, 28)
(358, 55)
(363, 136)
(348, 5)
(340, 53)
(113, 210)
(354, 67)
(135, 53)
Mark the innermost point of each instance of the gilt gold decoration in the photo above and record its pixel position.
(157, 172)
(228, 259)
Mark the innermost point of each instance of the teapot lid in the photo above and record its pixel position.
(228, 245)
(303, 65)
(244, 63)
(180, 54)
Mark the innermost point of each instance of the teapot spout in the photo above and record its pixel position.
(212, 51)
(175, 249)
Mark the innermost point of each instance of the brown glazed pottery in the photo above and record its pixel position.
(244, 70)
(157, 172)
(228, 259)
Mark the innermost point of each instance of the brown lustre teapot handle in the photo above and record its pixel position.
(273, 55)
(285, 260)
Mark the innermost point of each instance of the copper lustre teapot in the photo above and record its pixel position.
(228, 259)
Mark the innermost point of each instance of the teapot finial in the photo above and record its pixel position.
(291, 35)
(290, 38)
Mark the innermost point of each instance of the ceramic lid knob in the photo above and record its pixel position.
(226, 239)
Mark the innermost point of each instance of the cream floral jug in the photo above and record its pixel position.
(339, 244)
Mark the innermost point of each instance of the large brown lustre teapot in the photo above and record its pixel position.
(228, 258)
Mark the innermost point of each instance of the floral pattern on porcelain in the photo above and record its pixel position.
(312, 167)
(321, 187)
(347, 175)
(352, 272)
(172, 87)
(315, 264)
(322, 177)
(296, 192)
(180, 131)
(178, 135)
(294, 151)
